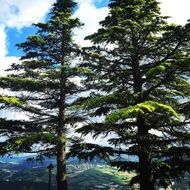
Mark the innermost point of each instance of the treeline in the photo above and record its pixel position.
(131, 85)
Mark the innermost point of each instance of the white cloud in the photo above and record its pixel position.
(90, 16)
(178, 10)
(21, 13)
(5, 63)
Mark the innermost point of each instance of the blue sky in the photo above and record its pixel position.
(14, 37)
(17, 16)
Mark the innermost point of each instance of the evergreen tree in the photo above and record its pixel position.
(140, 90)
(45, 81)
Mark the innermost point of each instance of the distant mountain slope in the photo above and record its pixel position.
(19, 174)
(23, 175)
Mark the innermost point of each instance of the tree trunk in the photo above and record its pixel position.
(145, 170)
(61, 166)
(146, 177)
(61, 134)
(61, 151)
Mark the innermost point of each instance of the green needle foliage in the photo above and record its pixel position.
(10, 101)
(140, 93)
(46, 82)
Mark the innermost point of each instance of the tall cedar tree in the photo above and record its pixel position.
(140, 91)
(45, 83)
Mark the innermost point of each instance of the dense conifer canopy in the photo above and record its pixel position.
(140, 92)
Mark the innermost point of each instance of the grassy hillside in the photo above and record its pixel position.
(99, 177)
